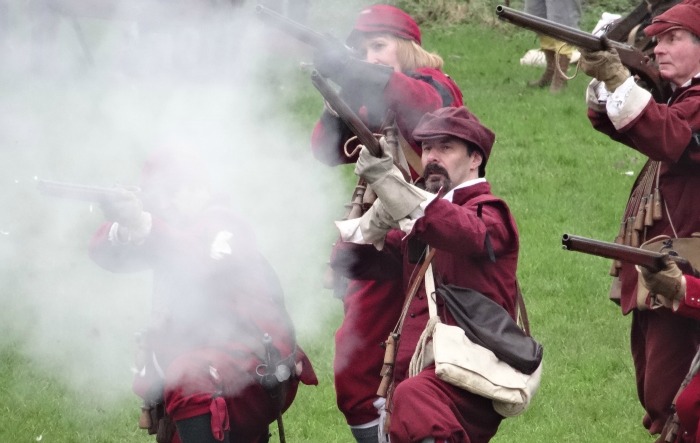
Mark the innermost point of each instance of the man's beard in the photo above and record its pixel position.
(436, 177)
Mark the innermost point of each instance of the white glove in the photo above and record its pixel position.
(373, 168)
(375, 223)
(400, 198)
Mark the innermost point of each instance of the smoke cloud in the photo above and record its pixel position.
(87, 95)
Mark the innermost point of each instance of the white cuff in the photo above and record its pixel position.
(627, 103)
(597, 96)
(135, 235)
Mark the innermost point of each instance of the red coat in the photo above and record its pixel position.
(663, 132)
(458, 231)
(372, 306)
(409, 95)
(210, 312)
(688, 402)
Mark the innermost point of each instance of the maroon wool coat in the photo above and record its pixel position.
(688, 402)
(663, 132)
(370, 306)
(409, 95)
(210, 312)
(458, 233)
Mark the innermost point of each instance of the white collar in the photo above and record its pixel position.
(450, 195)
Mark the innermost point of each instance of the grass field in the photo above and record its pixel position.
(59, 313)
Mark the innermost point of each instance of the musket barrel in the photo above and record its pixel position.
(654, 261)
(573, 36)
(86, 193)
(297, 30)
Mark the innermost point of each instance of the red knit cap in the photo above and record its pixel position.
(685, 15)
(456, 122)
(385, 19)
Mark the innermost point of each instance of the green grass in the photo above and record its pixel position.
(557, 174)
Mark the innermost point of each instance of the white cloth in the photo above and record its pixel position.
(350, 230)
(136, 235)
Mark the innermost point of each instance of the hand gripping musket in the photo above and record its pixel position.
(85, 193)
(634, 59)
(653, 261)
(367, 139)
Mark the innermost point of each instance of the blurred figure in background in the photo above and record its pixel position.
(397, 75)
(557, 53)
(219, 361)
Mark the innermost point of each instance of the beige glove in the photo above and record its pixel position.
(669, 282)
(399, 197)
(604, 66)
(375, 223)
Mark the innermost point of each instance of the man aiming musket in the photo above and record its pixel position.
(381, 70)
(664, 200)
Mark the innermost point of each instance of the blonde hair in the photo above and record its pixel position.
(412, 56)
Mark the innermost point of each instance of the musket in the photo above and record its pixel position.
(635, 60)
(653, 261)
(86, 193)
(347, 115)
(295, 29)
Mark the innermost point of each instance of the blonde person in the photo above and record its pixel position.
(391, 73)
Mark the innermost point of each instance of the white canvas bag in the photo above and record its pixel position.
(469, 366)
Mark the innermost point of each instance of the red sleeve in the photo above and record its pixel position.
(662, 132)
(457, 229)
(690, 305)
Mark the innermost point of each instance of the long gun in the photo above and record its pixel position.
(300, 32)
(653, 261)
(364, 135)
(86, 193)
(634, 59)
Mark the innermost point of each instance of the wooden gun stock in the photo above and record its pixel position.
(654, 261)
(635, 60)
(86, 193)
(364, 135)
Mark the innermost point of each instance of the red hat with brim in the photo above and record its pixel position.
(385, 19)
(459, 123)
(685, 15)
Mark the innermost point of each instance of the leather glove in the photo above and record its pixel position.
(399, 197)
(669, 282)
(605, 66)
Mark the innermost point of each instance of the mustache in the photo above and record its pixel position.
(434, 168)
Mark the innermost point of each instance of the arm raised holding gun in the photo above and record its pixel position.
(119, 204)
(632, 58)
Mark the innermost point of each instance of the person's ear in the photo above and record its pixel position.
(477, 158)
